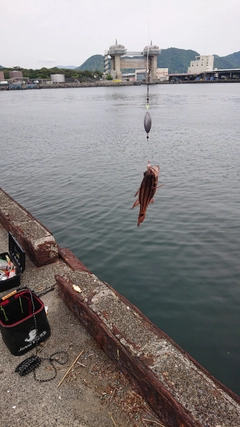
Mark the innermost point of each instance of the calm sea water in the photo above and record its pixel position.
(75, 157)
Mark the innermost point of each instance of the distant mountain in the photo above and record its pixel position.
(229, 61)
(93, 63)
(176, 60)
(235, 58)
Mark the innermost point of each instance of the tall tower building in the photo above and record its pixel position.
(116, 51)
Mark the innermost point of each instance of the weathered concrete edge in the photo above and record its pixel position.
(37, 241)
(161, 401)
(139, 368)
(76, 264)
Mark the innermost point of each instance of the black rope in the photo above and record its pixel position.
(28, 365)
(33, 362)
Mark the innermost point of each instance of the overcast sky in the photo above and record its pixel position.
(46, 33)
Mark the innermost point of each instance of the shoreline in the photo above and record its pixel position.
(113, 84)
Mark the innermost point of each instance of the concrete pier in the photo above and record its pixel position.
(177, 388)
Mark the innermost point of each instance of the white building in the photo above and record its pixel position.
(58, 78)
(202, 63)
(162, 74)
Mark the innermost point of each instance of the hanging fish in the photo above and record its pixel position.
(147, 190)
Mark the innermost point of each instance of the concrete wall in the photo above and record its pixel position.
(133, 62)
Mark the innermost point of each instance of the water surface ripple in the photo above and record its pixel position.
(75, 157)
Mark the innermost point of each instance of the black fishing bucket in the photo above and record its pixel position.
(23, 321)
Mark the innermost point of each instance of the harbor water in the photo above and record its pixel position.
(75, 158)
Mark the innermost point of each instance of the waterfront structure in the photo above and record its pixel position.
(15, 74)
(16, 80)
(1, 76)
(57, 78)
(162, 74)
(115, 52)
(121, 59)
(202, 70)
(200, 64)
(216, 75)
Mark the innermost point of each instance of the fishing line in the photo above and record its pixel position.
(149, 182)
(147, 118)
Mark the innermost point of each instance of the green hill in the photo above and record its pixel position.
(229, 61)
(93, 63)
(176, 60)
(235, 58)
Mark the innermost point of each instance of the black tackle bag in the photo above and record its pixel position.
(23, 321)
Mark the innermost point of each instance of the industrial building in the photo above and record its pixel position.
(57, 78)
(201, 63)
(162, 74)
(16, 74)
(119, 59)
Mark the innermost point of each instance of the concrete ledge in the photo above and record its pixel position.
(35, 239)
(71, 260)
(179, 390)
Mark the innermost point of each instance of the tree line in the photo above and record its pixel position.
(44, 73)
